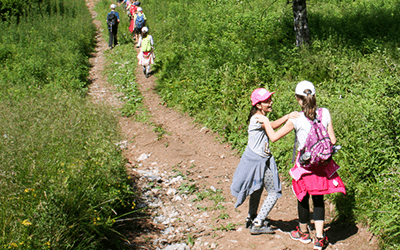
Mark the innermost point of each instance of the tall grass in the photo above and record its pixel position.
(63, 181)
(63, 177)
(213, 53)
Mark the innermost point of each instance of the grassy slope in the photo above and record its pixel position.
(214, 53)
(62, 175)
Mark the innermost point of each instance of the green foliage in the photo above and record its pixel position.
(187, 188)
(212, 54)
(63, 178)
(48, 51)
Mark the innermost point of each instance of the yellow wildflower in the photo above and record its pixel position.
(26, 223)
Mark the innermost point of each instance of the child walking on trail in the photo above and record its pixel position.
(146, 55)
(139, 20)
(257, 167)
(315, 180)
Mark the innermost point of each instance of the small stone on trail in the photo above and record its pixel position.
(142, 157)
(171, 191)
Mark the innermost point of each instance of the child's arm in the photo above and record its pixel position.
(331, 133)
(278, 122)
(272, 135)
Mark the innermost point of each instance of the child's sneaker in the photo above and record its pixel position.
(249, 222)
(263, 229)
(320, 243)
(300, 236)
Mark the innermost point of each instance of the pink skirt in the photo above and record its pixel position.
(145, 58)
(318, 183)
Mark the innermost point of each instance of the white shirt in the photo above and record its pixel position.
(303, 126)
(258, 140)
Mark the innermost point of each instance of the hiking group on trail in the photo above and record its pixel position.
(314, 172)
(138, 29)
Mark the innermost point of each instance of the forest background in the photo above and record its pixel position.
(63, 186)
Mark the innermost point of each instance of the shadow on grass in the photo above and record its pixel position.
(135, 230)
(343, 226)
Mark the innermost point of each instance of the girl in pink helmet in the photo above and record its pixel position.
(257, 167)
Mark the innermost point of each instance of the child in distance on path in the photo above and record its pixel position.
(139, 22)
(112, 23)
(317, 181)
(146, 55)
(257, 167)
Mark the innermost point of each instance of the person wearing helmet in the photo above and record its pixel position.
(146, 55)
(112, 23)
(140, 22)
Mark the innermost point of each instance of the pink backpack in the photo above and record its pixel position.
(318, 148)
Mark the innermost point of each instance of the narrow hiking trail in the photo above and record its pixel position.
(188, 159)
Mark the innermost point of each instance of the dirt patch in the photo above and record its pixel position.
(191, 151)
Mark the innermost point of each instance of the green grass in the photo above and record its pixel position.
(63, 182)
(212, 54)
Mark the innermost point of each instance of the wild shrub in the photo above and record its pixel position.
(63, 175)
(63, 182)
(212, 54)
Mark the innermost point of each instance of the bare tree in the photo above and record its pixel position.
(301, 22)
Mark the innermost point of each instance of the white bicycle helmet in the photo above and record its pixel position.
(145, 29)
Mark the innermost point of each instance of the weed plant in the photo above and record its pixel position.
(213, 54)
(63, 182)
(63, 178)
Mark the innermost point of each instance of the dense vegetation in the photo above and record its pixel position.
(63, 182)
(213, 53)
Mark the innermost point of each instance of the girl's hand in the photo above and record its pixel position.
(294, 115)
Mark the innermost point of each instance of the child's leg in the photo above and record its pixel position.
(271, 198)
(254, 202)
(319, 214)
(303, 208)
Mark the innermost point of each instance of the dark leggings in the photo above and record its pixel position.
(303, 208)
(113, 36)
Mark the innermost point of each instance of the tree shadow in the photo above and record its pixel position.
(134, 230)
(359, 28)
(343, 226)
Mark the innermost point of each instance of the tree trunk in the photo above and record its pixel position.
(301, 22)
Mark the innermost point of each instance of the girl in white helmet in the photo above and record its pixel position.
(146, 55)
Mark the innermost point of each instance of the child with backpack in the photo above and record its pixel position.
(140, 22)
(314, 172)
(146, 55)
(257, 167)
(112, 23)
(132, 9)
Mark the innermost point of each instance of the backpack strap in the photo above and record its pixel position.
(294, 148)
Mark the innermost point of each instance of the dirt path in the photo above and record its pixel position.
(191, 154)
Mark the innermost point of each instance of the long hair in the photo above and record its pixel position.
(253, 110)
(309, 104)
